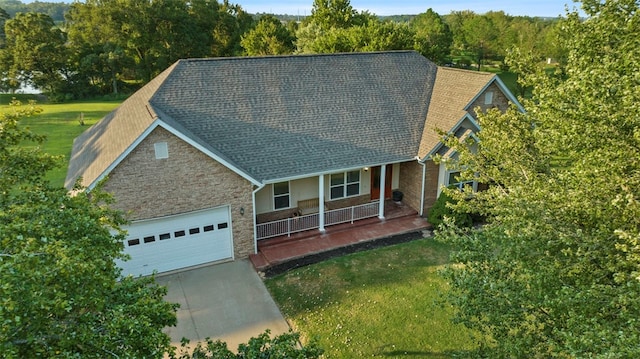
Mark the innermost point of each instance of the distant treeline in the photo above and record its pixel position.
(99, 47)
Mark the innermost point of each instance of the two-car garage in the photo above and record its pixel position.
(180, 241)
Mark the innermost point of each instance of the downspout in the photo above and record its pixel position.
(424, 176)
(255, 219)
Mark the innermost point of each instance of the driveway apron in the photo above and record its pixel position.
(226, 301)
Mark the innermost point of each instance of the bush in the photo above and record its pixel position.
(283, 346)
(443, 208)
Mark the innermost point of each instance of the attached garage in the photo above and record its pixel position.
(169, 243)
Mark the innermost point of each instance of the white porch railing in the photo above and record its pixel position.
(305, 223)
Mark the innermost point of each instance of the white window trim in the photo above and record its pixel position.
(161, 150)
(460, 185)
(345, 184)
(273, 195)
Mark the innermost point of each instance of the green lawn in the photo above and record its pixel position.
(60, 123)
(380, 303)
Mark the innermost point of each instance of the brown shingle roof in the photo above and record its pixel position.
(453, 91)
(100, 146)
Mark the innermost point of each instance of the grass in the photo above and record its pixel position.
(60, 123)
(380, 303)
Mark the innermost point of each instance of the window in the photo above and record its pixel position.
(281, 195)
(149, 239)
(488, 98)
(133, 242)
(164, 236)
(223, 225)
(177, 234)
(162, 150)
(194, 230)
(454, 181)
(208, 228)
(345, 184)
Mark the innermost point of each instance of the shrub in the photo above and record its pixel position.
(283, 346)
(444, 208)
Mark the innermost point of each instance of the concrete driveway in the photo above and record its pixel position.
(225, 301)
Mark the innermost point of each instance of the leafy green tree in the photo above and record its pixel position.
(4, 16)
(283, 346)
(5, 59)
(333, 14)
(374, 35)
(433, 38)
(60, 293)
(36, 50)
(381, 36)
(269, 37)
(556, 271)
(232, 22)
(55, 10)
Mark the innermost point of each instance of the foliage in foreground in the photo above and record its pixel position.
(556, 271)
(59, 289)
(283, 346)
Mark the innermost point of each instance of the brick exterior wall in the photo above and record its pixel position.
(411, 184)
(188, 180)
(499, 100)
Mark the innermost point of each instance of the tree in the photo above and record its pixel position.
(5, 60)
(556, 271)
(269, 37)
(333, 14)
(283, 346)
(60, 291)
(36, 50)
(433, 39)
(232, 22)
(4, 16)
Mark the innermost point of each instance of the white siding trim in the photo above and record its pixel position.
(502, 88)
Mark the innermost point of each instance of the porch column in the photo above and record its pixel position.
(383, 175)
(321, 203)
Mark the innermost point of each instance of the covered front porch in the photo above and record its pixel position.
(399, 219)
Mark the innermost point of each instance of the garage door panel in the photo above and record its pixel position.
(176, 242)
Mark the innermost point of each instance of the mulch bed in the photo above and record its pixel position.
(353, 248)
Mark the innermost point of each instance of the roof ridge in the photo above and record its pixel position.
(482, 73)
(234, 58)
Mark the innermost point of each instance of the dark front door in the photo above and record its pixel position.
(375, 182)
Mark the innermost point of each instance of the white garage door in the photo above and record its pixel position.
(169, 243)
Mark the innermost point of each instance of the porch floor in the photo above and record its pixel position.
(399, 219)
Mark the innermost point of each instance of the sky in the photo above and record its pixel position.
(545, 8)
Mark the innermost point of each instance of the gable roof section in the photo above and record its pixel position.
(454, 90)
(289, 116)
(103, 144)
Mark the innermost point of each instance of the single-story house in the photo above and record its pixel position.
(216, 154)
